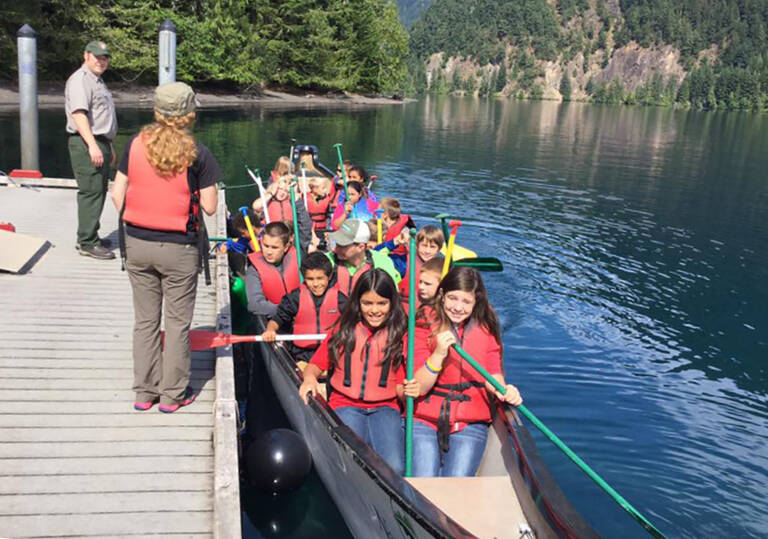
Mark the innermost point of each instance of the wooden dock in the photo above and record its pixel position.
(75, 458)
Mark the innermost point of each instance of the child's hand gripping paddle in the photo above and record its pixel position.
(454, 226)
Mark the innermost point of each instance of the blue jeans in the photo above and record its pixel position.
(462, 459)
(381, 428)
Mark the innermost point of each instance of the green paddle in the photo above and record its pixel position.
(343, 170)
(297, 245)
(481, 263)
(443, 217)
(409, 361)
(644, 522)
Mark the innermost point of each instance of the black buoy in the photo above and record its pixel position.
(278, 461)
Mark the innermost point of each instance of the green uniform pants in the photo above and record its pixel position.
(91, 189)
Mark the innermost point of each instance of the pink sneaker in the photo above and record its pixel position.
(189, 398)
(143, 406)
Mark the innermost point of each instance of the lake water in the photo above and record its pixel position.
(633, 301)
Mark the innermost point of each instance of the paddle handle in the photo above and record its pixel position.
(297, 246)
(251, 233)
(411, 345)
(257, 180)
(449, 250)
(644, 522)
(258, 338)
(343, 170)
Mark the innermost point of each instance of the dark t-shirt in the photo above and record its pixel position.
(204, 172)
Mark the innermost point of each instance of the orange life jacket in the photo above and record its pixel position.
(366, 374)
(157, 202)
(280, 210)
(311, 319)
(319, 209)
(459, 394)
(347, 282)
(274, 283)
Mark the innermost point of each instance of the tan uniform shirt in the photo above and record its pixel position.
(87, 92)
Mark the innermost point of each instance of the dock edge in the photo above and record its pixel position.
(226, 481)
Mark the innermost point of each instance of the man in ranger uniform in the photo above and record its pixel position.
(92, 126)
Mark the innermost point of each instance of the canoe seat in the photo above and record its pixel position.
(486, 506)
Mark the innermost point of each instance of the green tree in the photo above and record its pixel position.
(565, 87)
(501, 78)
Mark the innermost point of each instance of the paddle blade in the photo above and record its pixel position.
(203, 340)
(481, 264)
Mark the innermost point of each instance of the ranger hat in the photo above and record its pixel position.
(174, 99)
(351, 231)
(99, 48)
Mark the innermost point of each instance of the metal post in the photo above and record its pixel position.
(166, 69)
(26, 38)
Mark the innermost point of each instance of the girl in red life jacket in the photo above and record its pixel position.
(364, 355)
(452, 409)
(314, 307)
(278, 201)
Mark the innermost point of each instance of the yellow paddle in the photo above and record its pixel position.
(454, 225)
(251, 233)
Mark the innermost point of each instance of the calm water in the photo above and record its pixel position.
(634, 300)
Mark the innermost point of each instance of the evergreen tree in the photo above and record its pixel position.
(565, 87)
(501, 79)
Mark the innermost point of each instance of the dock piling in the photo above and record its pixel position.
(26, 39)
(166, 53)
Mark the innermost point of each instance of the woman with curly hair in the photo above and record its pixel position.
(164, 178)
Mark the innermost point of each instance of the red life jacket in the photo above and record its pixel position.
(319, 210)
(404, 283)
(153, 201)
(274, 283)
(459, 394)
(395, 230)
(311, 319)
(280, 210)
(365, 374)
(347, 282)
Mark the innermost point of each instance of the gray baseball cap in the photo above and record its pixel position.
(175, 99)
(351, 231)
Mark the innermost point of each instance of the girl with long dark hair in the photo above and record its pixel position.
(364, 356)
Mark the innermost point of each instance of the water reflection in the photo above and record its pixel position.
(635, 242)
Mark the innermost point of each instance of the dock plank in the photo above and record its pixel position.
(75, 458)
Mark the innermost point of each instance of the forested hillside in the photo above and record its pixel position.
(704, 53)
(355, 45)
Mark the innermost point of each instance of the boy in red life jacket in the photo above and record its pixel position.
(364, 355)
(311, 308)
(273, 272)
(429, 241)
(452, 408)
